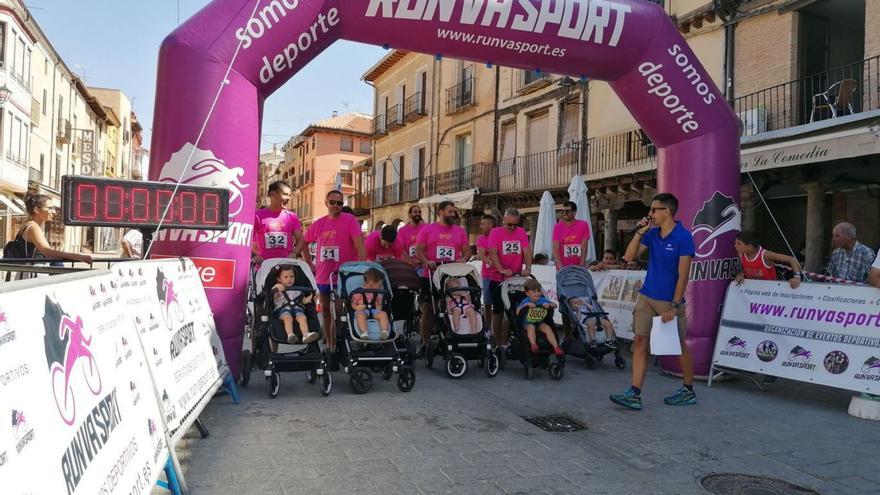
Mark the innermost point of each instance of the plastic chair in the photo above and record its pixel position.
(839, 96)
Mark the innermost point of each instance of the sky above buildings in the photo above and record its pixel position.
(115, 43)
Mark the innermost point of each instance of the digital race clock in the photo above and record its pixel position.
(96, 201)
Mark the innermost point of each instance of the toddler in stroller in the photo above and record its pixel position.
(587, 312)
(368, 304)
(289, 305)
(533, 311)
(458, 303)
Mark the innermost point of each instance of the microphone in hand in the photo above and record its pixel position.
(644, 222)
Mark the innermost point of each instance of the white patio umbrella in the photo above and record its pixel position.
(546, 221)
(577, 192)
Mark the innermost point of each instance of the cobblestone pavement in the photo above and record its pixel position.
(467, 437)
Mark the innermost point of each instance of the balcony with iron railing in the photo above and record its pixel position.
(362, 202)
(412, 190)
(483, 176)
(394, 118)
(460, 96)
(625, 153)
(547, 170)
(845, 90)
(379, 125)
(414, 107)
(530, 80)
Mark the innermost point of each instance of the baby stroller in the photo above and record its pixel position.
(268, 329)
(458, 348)
(512, 294)
(576, 282)
(361, 356)
(405, 287)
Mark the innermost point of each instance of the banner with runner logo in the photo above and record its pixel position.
(167, 304)
(79, 412)
(818, 333)
(617, 291)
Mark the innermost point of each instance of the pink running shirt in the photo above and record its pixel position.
(488, 271)
(511, 249)
(407, 235)
(443, 243)
(569, 238)
(335, 238)
(377, 252)
(273, 232)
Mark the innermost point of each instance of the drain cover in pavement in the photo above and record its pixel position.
(562, 423)
(743, 484)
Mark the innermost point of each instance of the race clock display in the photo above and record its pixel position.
(105, 202)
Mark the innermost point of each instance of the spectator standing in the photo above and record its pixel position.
(850, 260)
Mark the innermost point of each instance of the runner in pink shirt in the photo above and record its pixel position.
(277, 231)
(570, 238)
(487, 223)
(509, 250)
(442, 241)
(384, 245)
(409, 233)
(339, 240)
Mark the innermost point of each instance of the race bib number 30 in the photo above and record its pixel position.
(329, 253)
(445, 253)
(276, 240)
(510, 247)
(570, 250)
(412, 251)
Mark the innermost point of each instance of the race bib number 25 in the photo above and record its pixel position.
(329, 253)
(510, 247)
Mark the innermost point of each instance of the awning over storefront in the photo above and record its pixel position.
(462, 199)
(11, 205)
(848, 143)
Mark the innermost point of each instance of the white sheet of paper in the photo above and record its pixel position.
(664, 338)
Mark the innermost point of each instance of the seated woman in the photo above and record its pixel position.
(30, 241)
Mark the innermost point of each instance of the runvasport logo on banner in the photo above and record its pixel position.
(735, 347)
(7, 335)
(718, 216)
(69, 356)
(205, 169)
(22, 430)
(870, 370)
(799, 358)
(169, 305)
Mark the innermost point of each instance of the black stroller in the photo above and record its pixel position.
(361, 357)
(512, 294)
(269, 330)
(459, 348)
(405, 287)
(576, 282)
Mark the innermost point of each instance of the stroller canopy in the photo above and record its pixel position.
(456, 270)
(351, 276)
(402, 274)
(576, 281)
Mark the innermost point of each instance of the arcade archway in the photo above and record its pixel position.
(257, 45)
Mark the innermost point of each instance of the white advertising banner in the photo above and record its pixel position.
(819, 333)
(81, 416)
(618, 291)
(167, 304)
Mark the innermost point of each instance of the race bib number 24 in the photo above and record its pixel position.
(445, 253)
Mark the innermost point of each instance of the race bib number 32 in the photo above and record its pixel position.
(510, 247)
(570, 250)
(276, 240)
(445, 252)
(329, 253)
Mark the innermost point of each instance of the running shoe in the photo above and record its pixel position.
(627, 399)
(682, 397)
(310, 337)
(559, 352)
(383, 334)
(292, 338)
(611, 344)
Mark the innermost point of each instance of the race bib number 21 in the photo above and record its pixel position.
(329, 253)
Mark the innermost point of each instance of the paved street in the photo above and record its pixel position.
(467, 436)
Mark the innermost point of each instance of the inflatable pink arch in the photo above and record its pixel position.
(630, 43)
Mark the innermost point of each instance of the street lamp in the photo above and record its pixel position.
(4, 94)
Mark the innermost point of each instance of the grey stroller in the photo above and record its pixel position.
(575, 282)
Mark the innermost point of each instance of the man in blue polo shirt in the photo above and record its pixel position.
(670, 248)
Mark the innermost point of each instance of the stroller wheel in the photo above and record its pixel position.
(429, 355)
(493, 366)
(556, 371)
(311, 376)
(273, 384)
(361, 381)
(387, 372)
(326, 383)
(530, 372)
(406, 379)
(247, 363)
(619, 362)
(456, 366)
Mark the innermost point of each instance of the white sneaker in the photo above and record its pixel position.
(292, 338)
(310, 337)
(365, 335)
(383, 334)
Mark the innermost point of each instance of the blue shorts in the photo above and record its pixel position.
(487, 295)
(324, 289)
(290, 311)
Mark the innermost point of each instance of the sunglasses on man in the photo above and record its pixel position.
(333, 202)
